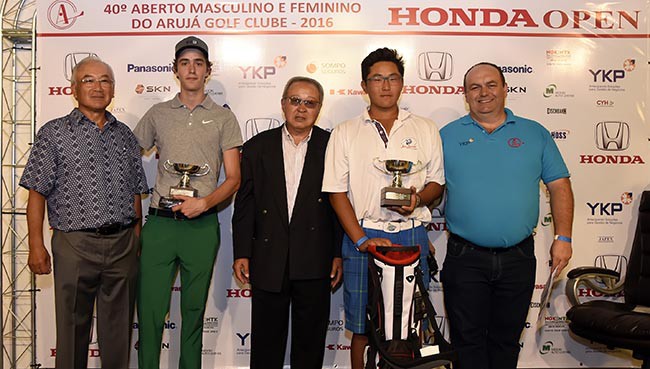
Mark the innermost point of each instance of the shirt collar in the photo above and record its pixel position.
(207, 102)
(401, 115)
(287, 135)
(78, 117)
(510, 118)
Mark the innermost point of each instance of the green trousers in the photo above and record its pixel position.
(167, 246)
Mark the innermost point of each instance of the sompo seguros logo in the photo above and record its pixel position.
(62, 14)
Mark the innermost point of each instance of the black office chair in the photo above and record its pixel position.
(626, 324)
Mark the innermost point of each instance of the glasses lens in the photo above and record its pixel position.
(310, 104)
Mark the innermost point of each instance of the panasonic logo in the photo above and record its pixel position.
(132, 68)
(516, 69)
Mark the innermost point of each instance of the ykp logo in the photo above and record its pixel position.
(435, 66)
(243, 337)
(607, 75)
(265, 71)
(612, 136)
(257, 72)
(605, 208)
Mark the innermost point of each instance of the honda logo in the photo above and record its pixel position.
(612, 136)
(71, 61)
(257, 125)
(435, 66)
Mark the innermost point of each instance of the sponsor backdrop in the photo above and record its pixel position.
(578, 67)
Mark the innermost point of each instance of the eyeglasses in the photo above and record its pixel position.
(103, 82)
(296, 101)
(393, 79)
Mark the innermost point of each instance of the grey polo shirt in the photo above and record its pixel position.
(199, 136)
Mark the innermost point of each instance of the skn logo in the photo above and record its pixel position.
(435, 66)
(612, 136)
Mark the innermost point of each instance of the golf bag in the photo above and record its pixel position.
(402, 329)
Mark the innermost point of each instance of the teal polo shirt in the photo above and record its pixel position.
(493, 179)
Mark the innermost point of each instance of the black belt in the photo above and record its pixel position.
(497, 249)
(112, 228)
(177, 214)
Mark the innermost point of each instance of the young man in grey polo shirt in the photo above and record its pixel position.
(190, 129)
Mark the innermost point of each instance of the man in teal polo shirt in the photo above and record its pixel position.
(494, 161)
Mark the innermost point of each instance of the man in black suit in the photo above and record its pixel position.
(286, 237)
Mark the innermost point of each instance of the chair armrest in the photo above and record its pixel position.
(605, 281)
(596, 271)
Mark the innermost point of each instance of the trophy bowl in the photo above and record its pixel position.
(186, 168)
(395, 194)
(183, 188)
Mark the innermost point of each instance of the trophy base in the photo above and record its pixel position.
(395, 196)
(183, 191)
(170, 202)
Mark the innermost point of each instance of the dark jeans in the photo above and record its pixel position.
(487, 295)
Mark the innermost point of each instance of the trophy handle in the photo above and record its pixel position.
(416, 167)
(169, 167)
(205, 169)
(380, 164)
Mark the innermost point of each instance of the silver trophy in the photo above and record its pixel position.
(395, 194)
(183, 188)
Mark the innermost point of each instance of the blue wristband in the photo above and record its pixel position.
(360, 242)
(562, 238)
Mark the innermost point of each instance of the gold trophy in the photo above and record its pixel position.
(183, 188)
(395, 194)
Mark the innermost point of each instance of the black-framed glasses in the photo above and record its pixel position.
(296, 101)
(393, 79)
(103, 82)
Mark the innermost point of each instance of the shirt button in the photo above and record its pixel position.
(264, 211)
(320, 199)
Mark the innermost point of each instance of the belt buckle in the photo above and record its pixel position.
(107, 229)
(392, 227)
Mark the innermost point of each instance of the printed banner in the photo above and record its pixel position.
(579, 68)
